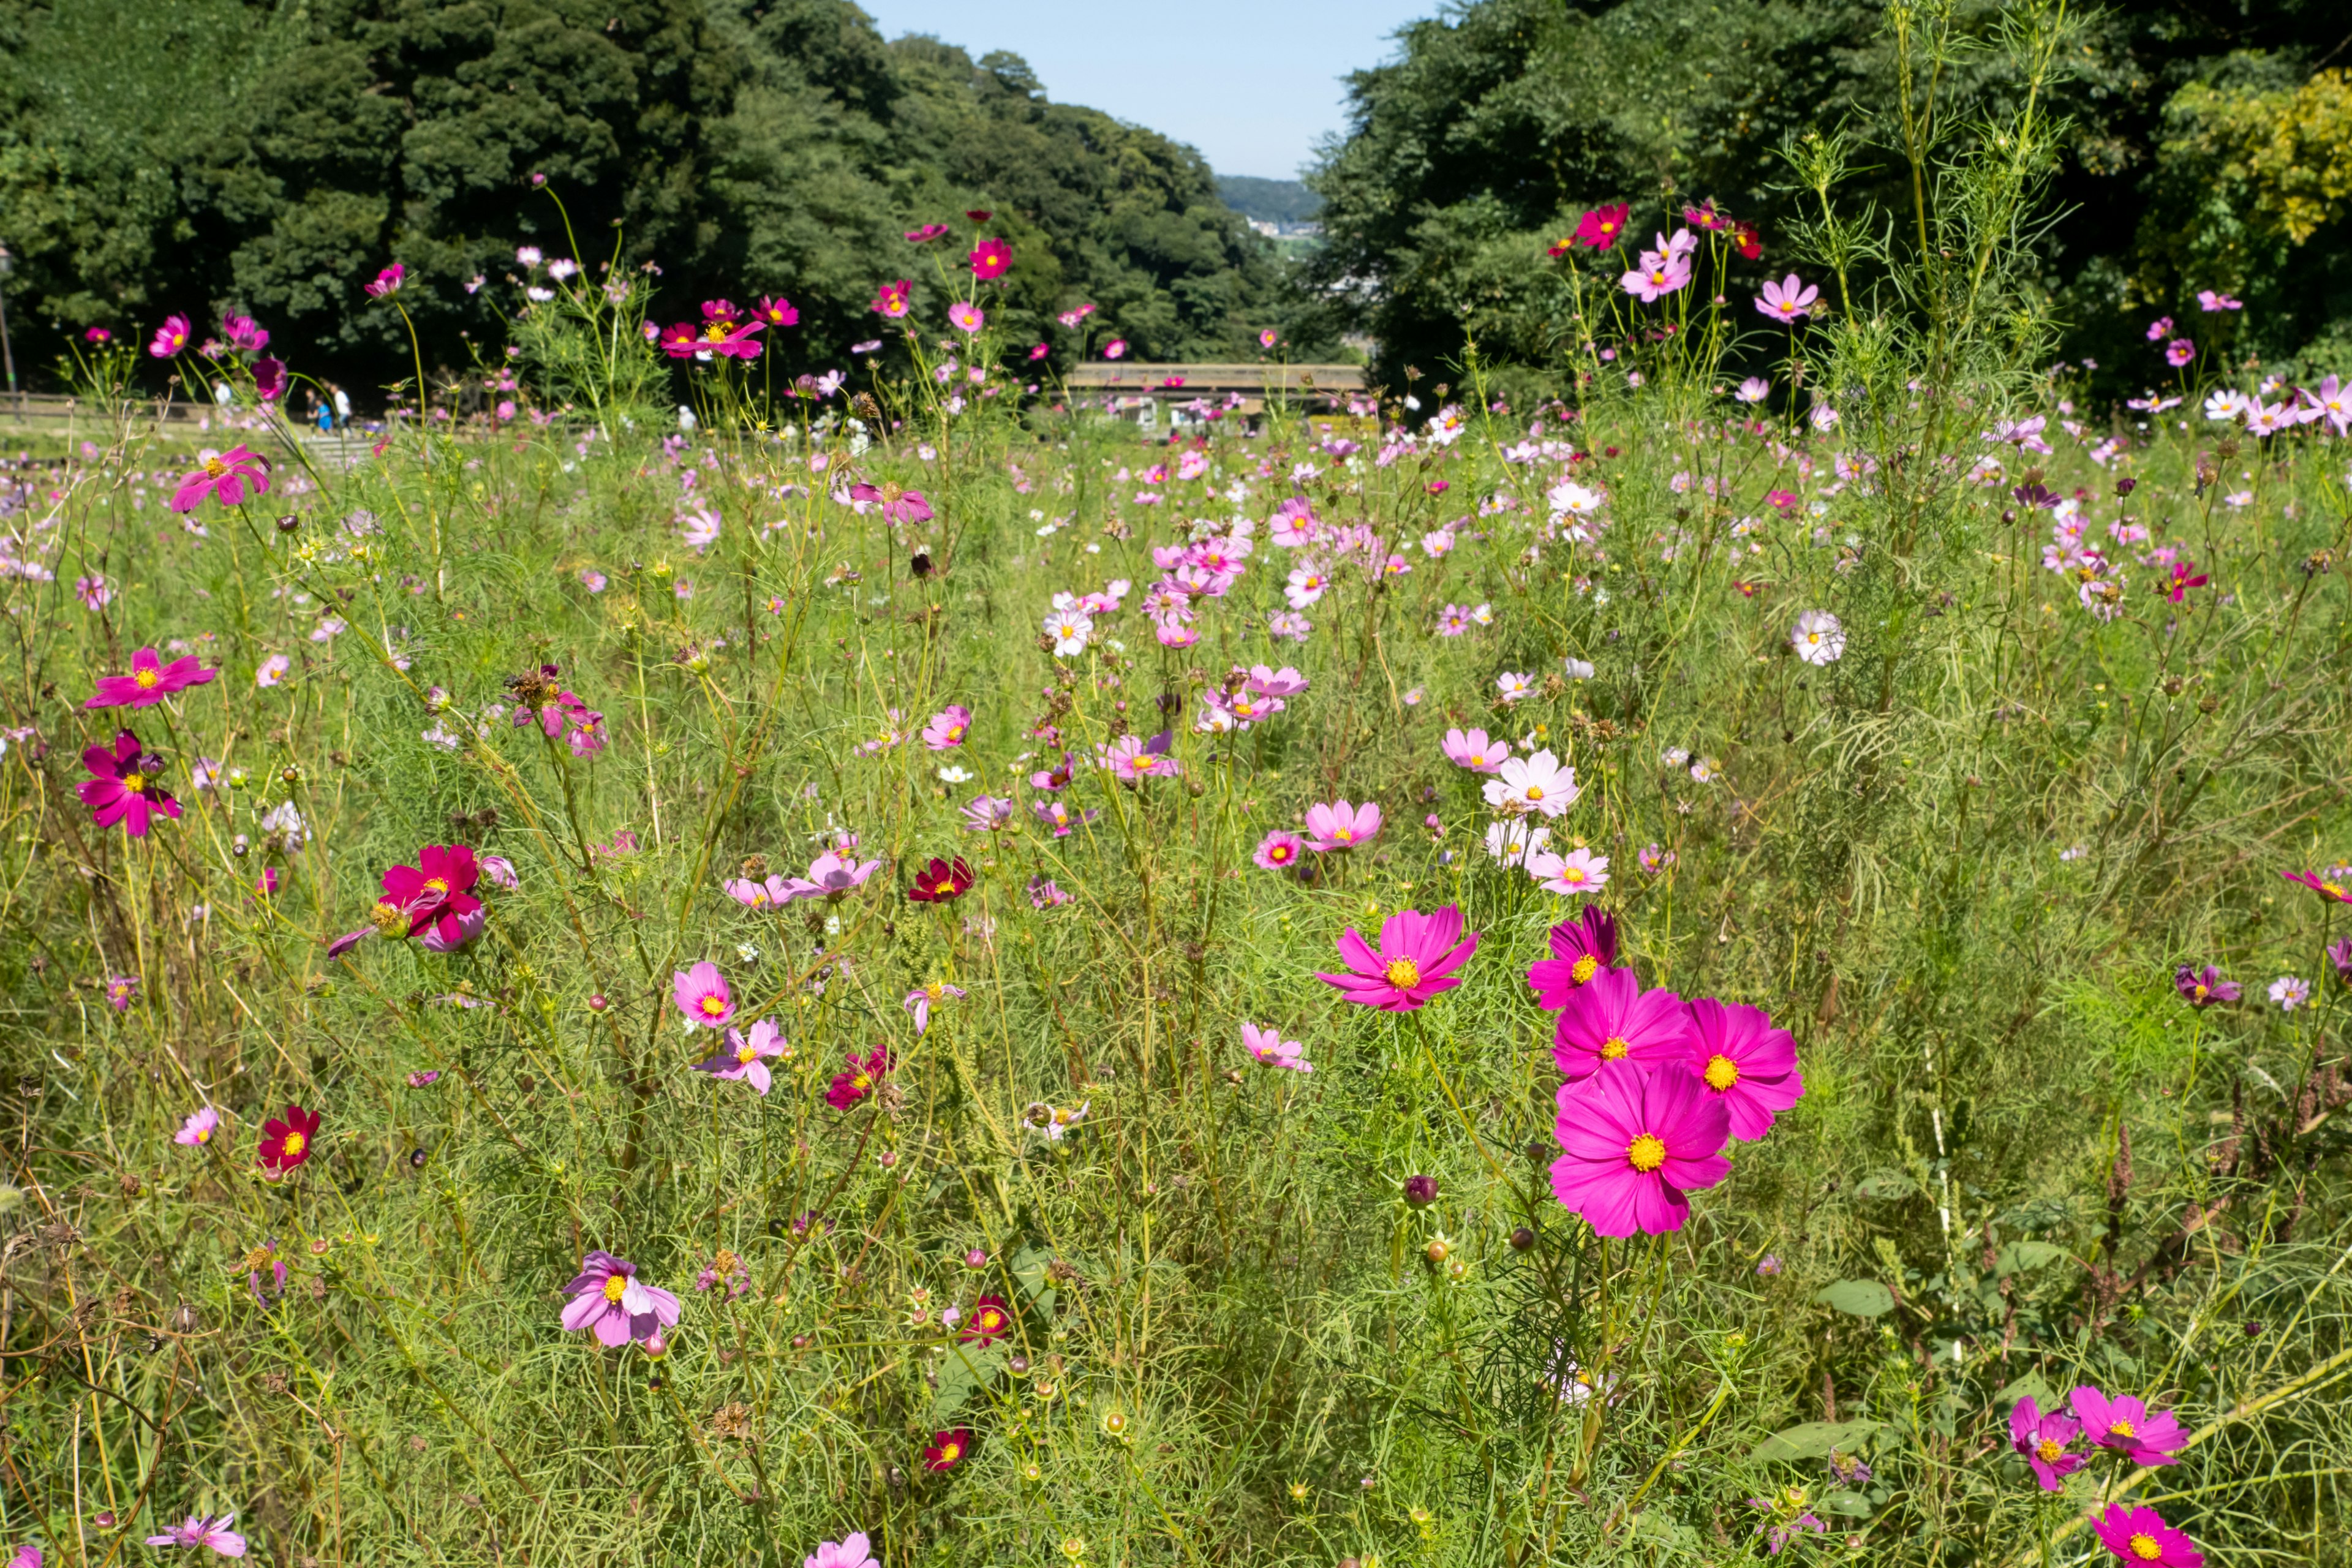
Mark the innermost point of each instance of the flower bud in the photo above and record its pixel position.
(1421, 1190)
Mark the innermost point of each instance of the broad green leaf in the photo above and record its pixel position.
(1859, 1297)
(1814, 1439)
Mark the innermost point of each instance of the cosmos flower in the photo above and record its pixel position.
(2125, 1424)
(941, 882)
(892, 299)
(2290, 993)
(1512, 839)
(852, 1550)
(855, 1082)
(2328, 887)
(123, 786)
(1268, 1048)
(1472, 749)
(1416, 960)
(990, 259)
(387, 283)
(1535, 783)
(1602, 226)
(1744, 1062)
(222, 477)
(1634, 1142)
(1611, 1018)
(2139, 1538)
(757, 895)
(1788, 300)
(171, 337)
(1278, 851)
(947, 727)
(1657, 277)
(923, 998)
(966, 317)
(1581, 948)
(2046, 1441)
(288, 1138)
(746, 1055)
(1819, 637)
(198, 1131)
(776, 311)
(609, 1300)
(150, 681)
(1580, 872)
(199, 1530)
(989, 1320)
(1336, 825)
(701, 994)
(947, 1449)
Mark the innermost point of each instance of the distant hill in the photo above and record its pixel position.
(1269, 201)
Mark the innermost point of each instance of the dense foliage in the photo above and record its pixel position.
(2204, 150)
(233, 154)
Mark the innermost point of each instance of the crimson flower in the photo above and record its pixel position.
(1418, 955)
(287, 1139)
(270, 379)
(990, 258)
(1750, 243)
(123, 786)
(150, 681)
(679, 341)
(979, 215)
(223, 476)
(989, 1320)
(947, 1449)
(859, 1079)
(1603, 226)
(941, 882)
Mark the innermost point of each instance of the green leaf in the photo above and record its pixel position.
(1858, 1298)
(965, 1372)
(1814, 1439)
(2021, 1255)
(1885, 1184)
(1850, 1504)
(2033, 1386)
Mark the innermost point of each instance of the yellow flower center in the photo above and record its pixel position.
(861, 1082)
(1584, 969)
(991, 1321)
(2332, 889)
(295, 1144)
(148, 679)
(712, 1007)
(2120, 1429)
(1343, 835)
(204, 1134)
(955, 732)
(951, 1452)
(386, 917)
(1646, 1153)
(438, 885)
(1614, 1048)
(1403, 973)
(2050, 1452)
(714, 332)
(1572, 875)
(1279, 852)
(134, 782)
(746, 1052)
(1813, 636)
(616, 1284)
(215, 467)
(2202, 990)
(2146, 1548)
(1722, 1072)
(1535, 792)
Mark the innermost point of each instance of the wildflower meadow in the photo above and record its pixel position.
(1743, 958)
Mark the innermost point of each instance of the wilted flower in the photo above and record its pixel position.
(920, 1001)
(856, 1080)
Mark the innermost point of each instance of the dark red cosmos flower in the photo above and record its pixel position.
(1581, 948)
(1750, 243)
(859, 1079)
(989, 1320)
(286, 1140)
(941, 882)
(123, 788)
(979, 215)
(947, 1449)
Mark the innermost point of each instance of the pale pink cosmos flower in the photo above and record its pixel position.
(832, 875)
(1515, 686)
(1580, 872)
(1284, 682)
(198, 1128)
(702, 996)
(1472, 749)
(852, 1550)
(947, 727)
(2212, 299)
(746, 1055)
(1268, 1048)
(1788, 300)
(1336, 825)
(204, 1530)
(1657, 277)
(2179, 352)
(757, 895)
(1754, 389)
(1532, 783)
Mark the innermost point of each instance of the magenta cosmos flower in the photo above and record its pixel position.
(892, 298)
(1745, 1063)
(223, 476)
(2139, 1537)
(387, 283)
(746, 1055)
(1336, 825)
(990, 259)
(2203, 987)
(1603, 226)
(150, 681)
(1611, 1018)
(1788, 300)
(1418, 955)
(2125, 1424)
(2325, 886)
(702, 996)
(1634, 1142)
(2046, 1441)
(1278, 851)
(204, 1530)
(947, 727)
(1581, 948)
(171, 336)
(123, 786)
(609, 1300)
(437, 892)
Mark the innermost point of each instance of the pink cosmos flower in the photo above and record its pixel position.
(702, 996)
(777, 312)
(2125, 1424)
(1603, 226)
(223, 476)
(833, 876)
(1788, 300)
(745, 1056)
(2328, 887)
(852, 1550)
(2139, 1538)
(2212, 299)
(120, 989)
(1282, 682)
(1115, 349)
(150, 681)
(198, 1128)
(1611, 1018)
(171, 337)
(1268, 1048)
(947, 727)
(609, 1300)
(387, 283)
(2045, 1442)
(757, 895)
(1577, 872)
(2204, 988)
(1131, 759)
(928, 233)
(990, 258)
(2179, 352)
(892, 298)
(1471, 749)
(244, 334)
(204, 1530)
(923, 998)
(123, 786)
(966, 317)
(1416, 960)
(1744, 1062)
(2159, 329)
(1581, 948)
(1634, 1142)
(1538, 783)
(1657, 277)
(438, 895)
(1278, 851)
(1336, 825)
(270, 379)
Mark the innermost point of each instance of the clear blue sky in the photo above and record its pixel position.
(1252, 83)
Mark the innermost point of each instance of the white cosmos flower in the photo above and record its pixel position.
(1071, 630)
(1819, 637)
(1536, 784)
